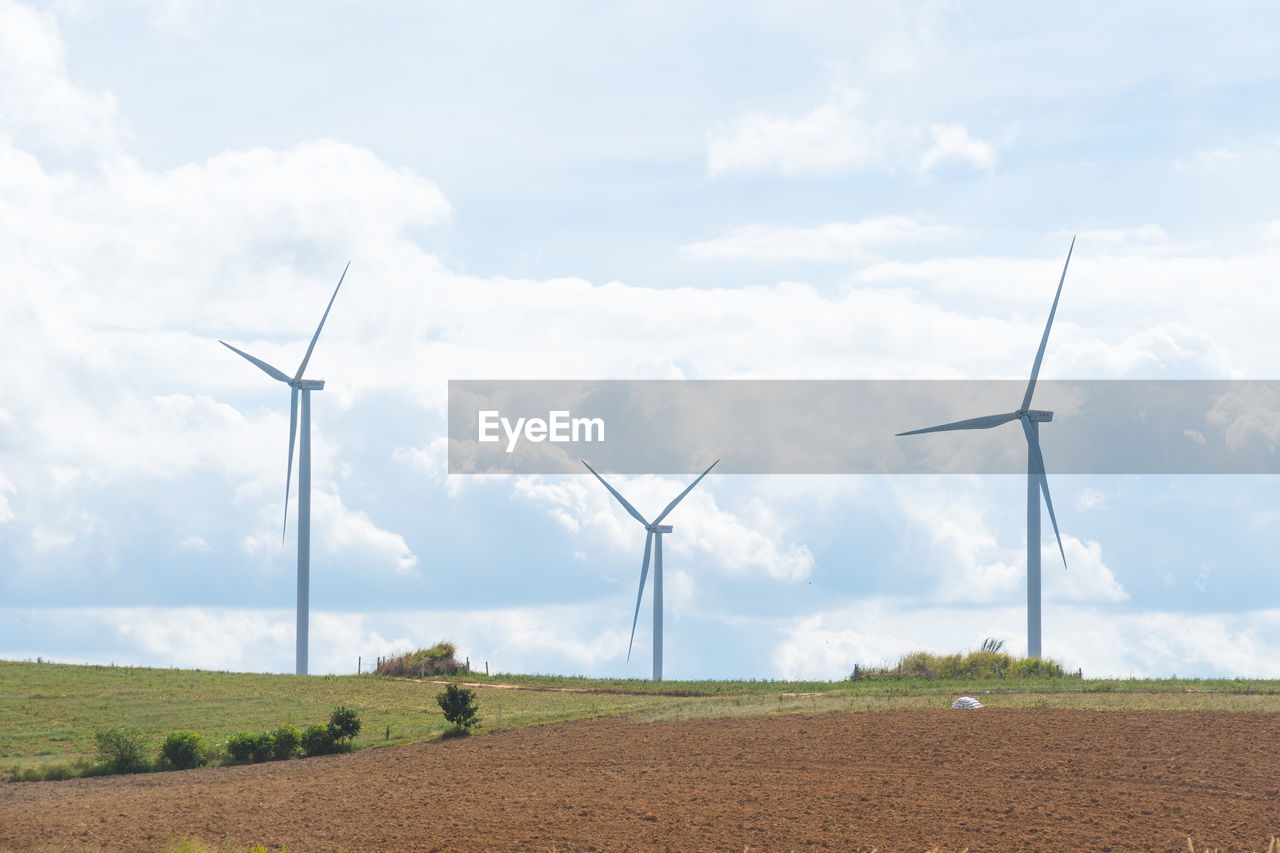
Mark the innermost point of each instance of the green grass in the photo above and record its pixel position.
(49, 712)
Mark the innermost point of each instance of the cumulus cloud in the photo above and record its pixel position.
(752, 543)
(1103, 643)
(339, 532)
(951, 143)
(38, 98)
(1217, 161)
(1247, 418)
(6, 489)
(975, 563)
(195, 543)
(832, 241)
(839, 136)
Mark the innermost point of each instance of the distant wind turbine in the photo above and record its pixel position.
(652, 542)
(1036, 480)
(296, 383)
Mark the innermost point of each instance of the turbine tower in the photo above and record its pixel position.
(297, 384)
(1037, 482)
(652, 542)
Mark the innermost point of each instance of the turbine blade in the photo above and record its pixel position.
(1035, 368)
(644, 572)
(986, 422)
(266, 368)
(316, 336)
(680, 497)
(288, 477)
(1038, 463)
(628, 507)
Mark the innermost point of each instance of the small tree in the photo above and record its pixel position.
(285, 740)
(459, 706)
(240, 746)
(344, 725)
(121, 750)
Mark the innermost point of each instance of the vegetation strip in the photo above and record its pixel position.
(51, 714)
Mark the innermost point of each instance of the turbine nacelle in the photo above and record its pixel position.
(658, 528)
(1038, 415)
(308, 384)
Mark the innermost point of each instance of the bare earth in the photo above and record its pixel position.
(989, 779)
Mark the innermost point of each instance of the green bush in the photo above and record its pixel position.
(1035, 668)
(262, 746)
(121, 750)
(240, 746)
(317, 739)
(184, 750)
(344, 724)
(459, 706)
(284, 741)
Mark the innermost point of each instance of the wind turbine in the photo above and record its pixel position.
(1036, 480)
(652, 542)
(297, 384)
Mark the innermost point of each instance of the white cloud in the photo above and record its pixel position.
(1086, 577)
(48, 539)
(6, 489)
(1247, 417)
(1103, 643)
(195, 543)
(181, 17)
(1147, 237)
(840, 136)
(829, 242)
(336, 531)
(1217, 161)
(739, 545)
(973, 564)
(36, 95)
(953, 144)
(1089, 499)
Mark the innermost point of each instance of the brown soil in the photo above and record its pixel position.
(991, 779)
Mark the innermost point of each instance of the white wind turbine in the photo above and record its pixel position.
(655, 530)
(296, 383)
(1037, 482)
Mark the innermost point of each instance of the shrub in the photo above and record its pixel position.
(459, 706)
(121, 750)
(284, 741)
(240, 746)
(184, 750)
(988, 662)
(344, 724)
(263, 744)
(316, 739)
(437, 660)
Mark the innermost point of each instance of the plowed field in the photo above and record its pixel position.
(990, 779)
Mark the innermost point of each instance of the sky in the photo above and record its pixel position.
(634, 190)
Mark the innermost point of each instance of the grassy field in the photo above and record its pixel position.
(49, 712)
